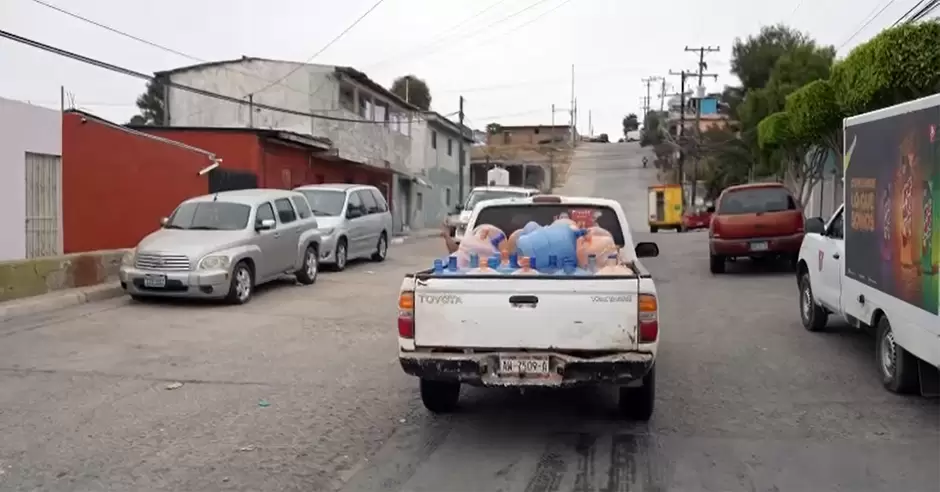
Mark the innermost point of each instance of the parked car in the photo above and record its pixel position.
(757, 220)
(354, 222)
(457, 223)
(224, 245)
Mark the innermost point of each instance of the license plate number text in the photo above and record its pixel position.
(533, 366)
(155, 281)
(759, 246)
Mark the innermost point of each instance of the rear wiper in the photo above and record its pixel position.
(171, 226)
(203, 228)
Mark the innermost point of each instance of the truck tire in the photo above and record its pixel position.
(439, 396)
(898, 367)
(716, 264)
(813, 316)
(637, 403)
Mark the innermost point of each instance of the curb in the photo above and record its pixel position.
(59, 300)
(413, 235)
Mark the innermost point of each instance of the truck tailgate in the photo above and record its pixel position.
(528, 313)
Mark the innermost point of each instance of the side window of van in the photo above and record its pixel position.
(380, 200)
(368, 201)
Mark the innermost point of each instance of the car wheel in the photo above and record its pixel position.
(342, 255)
(243, 284)
(637, 403)
(440, 396)
(381, 249)
(307, 274)
(813, 316)
(716, 264)
(897, 366)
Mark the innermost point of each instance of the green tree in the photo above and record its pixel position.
(753, 59)
(151, 104)
(727, 160)
(630, 123)
(899, 64)
(493, 128)
(413, 90)
(652, 128)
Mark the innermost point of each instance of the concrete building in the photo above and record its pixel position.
(435, 163)
(531, 154)
(30, 181)
(366, 123)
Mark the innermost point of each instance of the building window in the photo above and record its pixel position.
(433, 139)
(507, 138)
(347, 98)
(450, 146)
(419, 202)
(447, 197)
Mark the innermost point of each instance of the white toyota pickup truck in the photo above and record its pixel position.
(545, 330)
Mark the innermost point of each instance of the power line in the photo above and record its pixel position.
(869, 21)
(930, 7)
(435, 47)
(151, 43)
(442, 34)
(194, 90)
(914, 7)
(324, 48)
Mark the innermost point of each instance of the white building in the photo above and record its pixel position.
(30, 181)
(382, 139)
(435, 160)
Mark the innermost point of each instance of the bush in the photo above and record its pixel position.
(899, 64)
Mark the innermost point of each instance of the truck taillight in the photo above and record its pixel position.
(800, 222)
(714, 229)
(406, 315)
(648, 318)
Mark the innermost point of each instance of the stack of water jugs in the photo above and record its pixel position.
(561, 248)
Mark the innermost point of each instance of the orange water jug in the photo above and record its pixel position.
(613, 266)
(597, 244)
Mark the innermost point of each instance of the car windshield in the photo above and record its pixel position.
(756, 200)
(210, 216)
(325, 203)
(480, 195)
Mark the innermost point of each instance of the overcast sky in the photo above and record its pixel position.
(510, 71)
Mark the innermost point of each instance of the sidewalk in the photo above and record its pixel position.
(58, 300)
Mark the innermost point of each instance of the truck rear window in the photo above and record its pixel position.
(511, 217)
(756, 200)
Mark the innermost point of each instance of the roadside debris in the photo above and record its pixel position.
(173, 386)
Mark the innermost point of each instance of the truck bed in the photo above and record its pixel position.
(544, 312)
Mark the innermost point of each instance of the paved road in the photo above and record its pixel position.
(747, 400)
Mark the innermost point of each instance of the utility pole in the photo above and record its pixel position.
(573, 108)
(662, 96)
(698, 108)
(408, 90)
(590, 124)
(461, 159)
(251, 110)
(649, 81)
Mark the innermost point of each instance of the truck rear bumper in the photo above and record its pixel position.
(565, 370)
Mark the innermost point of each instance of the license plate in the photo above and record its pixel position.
(530, 366)
(155, 281)
(759, 246)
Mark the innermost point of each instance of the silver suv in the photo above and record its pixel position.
(354, 222)
(223, 245)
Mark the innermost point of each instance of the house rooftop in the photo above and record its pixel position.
(321, 143)
(348, 72)
(526, 127)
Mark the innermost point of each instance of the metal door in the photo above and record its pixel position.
(43, 205)
(228, 180)
(660, 205)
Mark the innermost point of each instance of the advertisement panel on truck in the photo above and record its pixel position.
(892, 180)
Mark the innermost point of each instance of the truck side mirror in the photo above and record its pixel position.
(646, 250)
(815, 225)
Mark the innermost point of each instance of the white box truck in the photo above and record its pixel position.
(874, 263)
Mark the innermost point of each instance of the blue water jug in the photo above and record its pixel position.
(529, 227)
(451, 266)
(438, 266)
(569, 266)
(559, 240)
(552, 266)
